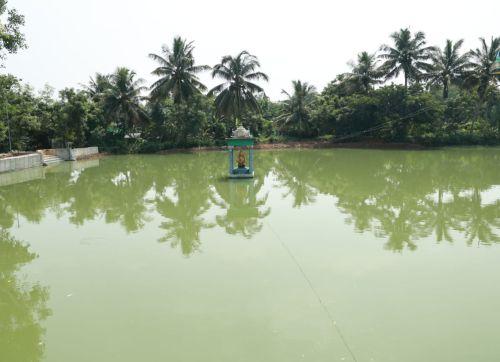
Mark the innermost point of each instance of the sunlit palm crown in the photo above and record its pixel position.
(177, 72)
(303, 94)
(296, 112)
(448, 65)
(122, 101)
(365, 73)
(238, 90)
(98, 85)
(409, 55)
(483, 59)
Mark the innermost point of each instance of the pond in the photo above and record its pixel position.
(326, 255)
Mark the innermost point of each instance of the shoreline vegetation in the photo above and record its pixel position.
(295, 144)
(448, 96)
(307, 144)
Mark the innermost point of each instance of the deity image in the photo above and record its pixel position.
(241, 160)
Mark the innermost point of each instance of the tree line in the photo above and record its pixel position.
(448, 96)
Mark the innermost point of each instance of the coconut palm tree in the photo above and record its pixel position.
(409, 55)
(177, 72)
(238, 91)
(448, 66)
(365, 74)
(122, 101)
(98, 85)
(296, 116)
(483, 59)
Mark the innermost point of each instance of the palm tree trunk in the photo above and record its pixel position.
(406, 81)
(476, 115)
(238, 108)
(445, 90)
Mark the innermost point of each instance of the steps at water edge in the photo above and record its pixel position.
(49, 159)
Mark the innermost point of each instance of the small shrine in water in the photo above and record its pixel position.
(240, 142)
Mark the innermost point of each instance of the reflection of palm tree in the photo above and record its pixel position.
(481, 219)
(129, 206)
(183, 197)
(400, 226)
(116, 191)
(441, 218)
(302, 193)
(22, 307)
(392, 194)
(244, 209)
(185, 220)
(242, 200)
(294, 173)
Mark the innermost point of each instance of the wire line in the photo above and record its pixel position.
(315, 292)
(381, 125)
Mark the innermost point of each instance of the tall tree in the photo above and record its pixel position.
(295, 117)
(238, 91)
(73, 112)
(11, 38)
(98, 85)
(365, 73)
(177, 72)
(483, 60)
(448, 66)
(408, 55)
(122, 101)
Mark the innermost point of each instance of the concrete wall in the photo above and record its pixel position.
(76, 153)
(36, 159)
(59, 152)
(79, 153)
(20, 162)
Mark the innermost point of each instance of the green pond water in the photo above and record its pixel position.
(326, 255)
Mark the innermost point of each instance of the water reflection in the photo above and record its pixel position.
(22, 304)
(243, 204)
(182, 197)
(398, 196)
(295, 179)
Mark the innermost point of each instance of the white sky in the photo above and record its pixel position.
(70, 40)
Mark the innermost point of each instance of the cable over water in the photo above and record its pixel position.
(383, 124)
(315, 292)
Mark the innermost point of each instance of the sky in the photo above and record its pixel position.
(313, 40)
